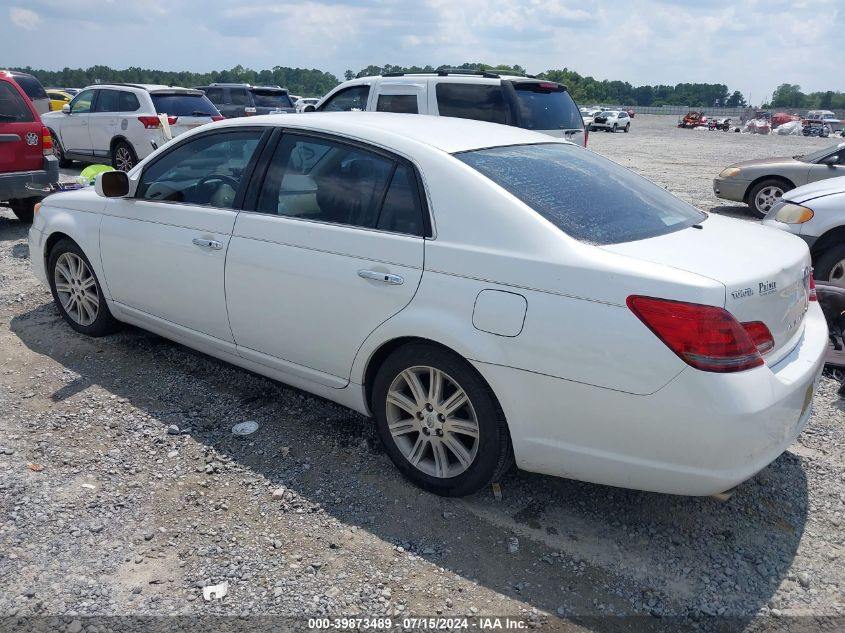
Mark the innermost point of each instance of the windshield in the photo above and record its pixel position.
(542, 108)
(818, 155)
(588, 197)
(184, 105)
(271, 99)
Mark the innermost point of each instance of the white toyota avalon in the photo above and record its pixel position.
(486, 293)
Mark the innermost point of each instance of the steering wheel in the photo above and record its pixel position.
(205, 180)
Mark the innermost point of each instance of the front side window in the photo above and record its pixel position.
(81, 103)
(404, 104)
(107, 101)
(13, 108)
(329, 181)
(588, 197)
(351, 99)
(482, 102)
(207, 170)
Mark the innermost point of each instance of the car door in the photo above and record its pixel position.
(332, 249)
(163, 251)
(102, 122)
(74, 133)
(822, 170)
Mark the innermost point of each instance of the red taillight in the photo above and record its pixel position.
(812, 295)
(760, 336)
(150, 122)
(218, 117)
(705, 337)
(547, 85)
(171, 120)
(46, 141)
(586, 135)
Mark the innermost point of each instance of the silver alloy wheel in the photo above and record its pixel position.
(57, 148)
(837, 273)
(432, 421)
(766, 198)
(76, 288)
(123, 159)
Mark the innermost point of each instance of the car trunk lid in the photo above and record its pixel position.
(765, 272)
(20, 132)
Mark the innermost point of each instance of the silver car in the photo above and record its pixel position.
(816, 213)
(761, 183)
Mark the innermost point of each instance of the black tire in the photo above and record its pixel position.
(494, 455)
(310, 108)
(24, 208)
(627, 128)
(59, 152)
(104, 323)
(825, 263)
(123, 157)
(751, 199)
(615, 128)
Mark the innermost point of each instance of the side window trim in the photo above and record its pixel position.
(248, 171)
(260, 176)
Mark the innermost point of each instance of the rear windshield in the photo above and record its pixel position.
(184, 105)
(546, 109)
(586, 196)
(13, 108)
(31, 86)
(271, 99)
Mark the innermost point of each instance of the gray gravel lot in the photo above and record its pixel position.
(123, 491)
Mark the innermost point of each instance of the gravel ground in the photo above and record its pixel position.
(124, 491)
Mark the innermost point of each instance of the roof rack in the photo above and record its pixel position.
(491, 73)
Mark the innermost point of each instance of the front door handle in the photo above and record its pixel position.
(212, 244)
(387, 278)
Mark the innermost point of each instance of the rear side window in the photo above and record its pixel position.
(129, 102)
(405, 104)
(13, 109)
(401, 211)
(588, 197)
(239, 96)
(215, 95)
(107, 101)
(31, 86)
(271, 99)
(482, 102)
(184, 105)
(545, 106)
(347, 100)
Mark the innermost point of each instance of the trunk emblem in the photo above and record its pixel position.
(767, 287)
(739, 294)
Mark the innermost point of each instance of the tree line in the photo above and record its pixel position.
(584, 89)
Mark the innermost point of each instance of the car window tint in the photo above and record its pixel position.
(13, 108)
(483, 102)
(215, 95)
(239, 96)
(586, 196)
(271, 99)
(204, 171)
(405, 104)
(107, 101)
(324, 180)
(31, 86)
(401, 211)
(129, 102)
(184, 105)
(352, 98)
(546, 108)
(81, 103)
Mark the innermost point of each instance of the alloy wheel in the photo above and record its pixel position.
(432, 422)
(123, 159)
(837, 273)
(766, 198)
(76, 288)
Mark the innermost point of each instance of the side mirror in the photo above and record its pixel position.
(830, 161)
(112, 184)
(66, 108)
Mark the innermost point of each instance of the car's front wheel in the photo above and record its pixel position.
(765, 194)
(830, 264)
(439, 421)
(627, 128)
(615, 128)
(123, 157)
(77, 292)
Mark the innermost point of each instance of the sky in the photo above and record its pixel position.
(750, 45)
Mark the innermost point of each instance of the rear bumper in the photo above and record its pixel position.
(730, 189)
(701, 434)
(13, 185)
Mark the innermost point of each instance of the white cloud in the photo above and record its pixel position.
(24, 18)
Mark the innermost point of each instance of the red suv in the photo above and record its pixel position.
(26, 150)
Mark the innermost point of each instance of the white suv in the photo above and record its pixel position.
(123, 123)
(611, 121)
(526, 102)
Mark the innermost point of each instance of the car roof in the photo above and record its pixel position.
(403, 132)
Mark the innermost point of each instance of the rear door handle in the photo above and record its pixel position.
(387, 278)
(212, 244)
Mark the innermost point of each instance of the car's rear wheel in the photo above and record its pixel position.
(830, 265)
(765, 194)
(59, 152)
(24, 208)
(627, 128)
(615, 128)
(123, 157)
(76, 290)
(439, 421)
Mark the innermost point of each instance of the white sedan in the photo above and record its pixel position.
(486, 293)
